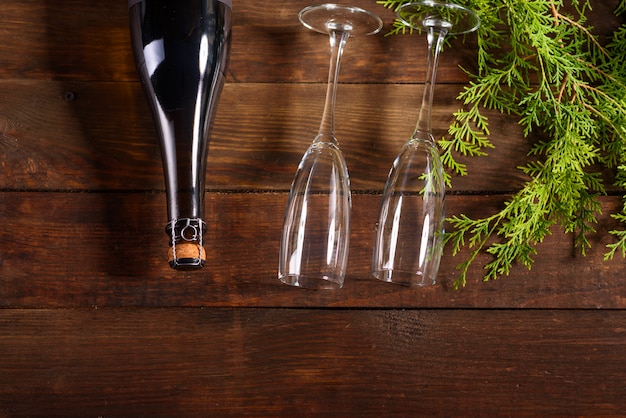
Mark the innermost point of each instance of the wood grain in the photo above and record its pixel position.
(109, 249)
(94, 323)
(72, 41)
(103, 138)
(283, 362)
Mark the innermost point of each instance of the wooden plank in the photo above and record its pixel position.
(78, 40)
(65, 40)
(82, 214)
(109, 249)
(100, 136)
(90, 41)
(277, 362)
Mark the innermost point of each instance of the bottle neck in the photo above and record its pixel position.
(186, 243)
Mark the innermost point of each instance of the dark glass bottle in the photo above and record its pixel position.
(181, 50)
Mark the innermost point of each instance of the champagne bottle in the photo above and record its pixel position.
(181, 50)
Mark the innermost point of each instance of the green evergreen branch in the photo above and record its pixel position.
(544, 66)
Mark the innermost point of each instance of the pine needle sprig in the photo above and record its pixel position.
(540, 62)
(617, 121)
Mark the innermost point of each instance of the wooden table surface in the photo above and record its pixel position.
(94, 323)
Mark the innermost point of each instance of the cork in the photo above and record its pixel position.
(187, 250)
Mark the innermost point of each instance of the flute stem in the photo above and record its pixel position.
(338, 40)
(436, 36)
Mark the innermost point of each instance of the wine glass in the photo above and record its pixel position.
(409, 233)
(315, 236)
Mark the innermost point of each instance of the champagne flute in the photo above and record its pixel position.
(409, 233)
(315, 236)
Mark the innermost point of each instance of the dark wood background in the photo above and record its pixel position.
(94, 323)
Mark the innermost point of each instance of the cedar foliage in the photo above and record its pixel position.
(539, 61)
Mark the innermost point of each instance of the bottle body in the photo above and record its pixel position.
(181, 50)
